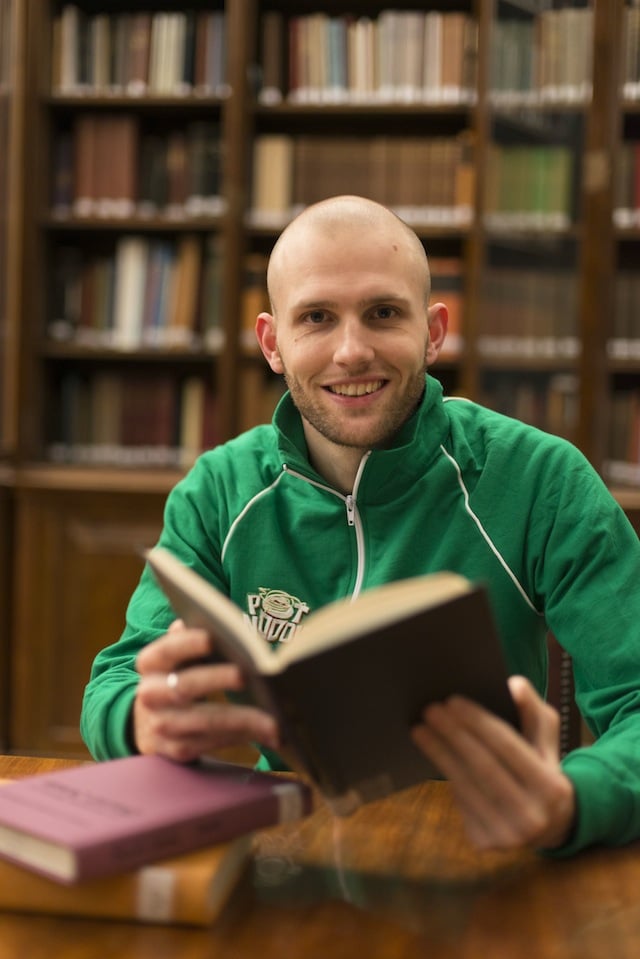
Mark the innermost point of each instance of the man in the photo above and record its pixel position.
(367, 474)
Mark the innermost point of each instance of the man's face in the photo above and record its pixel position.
(352, 335)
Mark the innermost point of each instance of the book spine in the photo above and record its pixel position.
(189, 890)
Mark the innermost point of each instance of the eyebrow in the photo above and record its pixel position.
(361, 304)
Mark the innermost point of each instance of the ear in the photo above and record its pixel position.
(438, 320)
(266, 334)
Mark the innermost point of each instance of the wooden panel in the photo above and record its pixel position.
(77, 564)
(634, 516)
(6, 550)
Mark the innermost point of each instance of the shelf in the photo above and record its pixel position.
(628, 498)
(151, 103)
(44, 476)
(288, 110)
(527, 364)
(138, 224)
(196, 355)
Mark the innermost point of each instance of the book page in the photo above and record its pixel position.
(378, 607)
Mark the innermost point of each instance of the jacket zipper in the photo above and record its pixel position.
(353, 516)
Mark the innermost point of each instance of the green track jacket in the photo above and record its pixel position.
(463, 489)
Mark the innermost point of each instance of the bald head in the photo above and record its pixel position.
(333, 220)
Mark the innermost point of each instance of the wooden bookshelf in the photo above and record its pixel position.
(533, 285)
(12, 33)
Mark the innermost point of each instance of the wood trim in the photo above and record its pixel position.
(597, 259)
(9, 380)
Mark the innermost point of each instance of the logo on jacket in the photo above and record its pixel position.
(275, 614)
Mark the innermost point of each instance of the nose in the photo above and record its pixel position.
(354, 345)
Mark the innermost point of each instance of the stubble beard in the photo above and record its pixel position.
(334, 427)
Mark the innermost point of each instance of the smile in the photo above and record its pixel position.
(356, 389)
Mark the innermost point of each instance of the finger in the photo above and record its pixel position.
(470, 754)
(181, 687)
(178, 646)
(204, 727)
(540, 722)
(481, 739)
(483, 823)
(508, 794)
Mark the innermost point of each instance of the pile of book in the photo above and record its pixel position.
(139, 838)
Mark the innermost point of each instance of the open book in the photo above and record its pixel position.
(348, 689)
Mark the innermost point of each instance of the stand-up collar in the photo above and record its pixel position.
(415, 444)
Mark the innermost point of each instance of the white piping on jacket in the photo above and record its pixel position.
(494, 549)
(245, 509)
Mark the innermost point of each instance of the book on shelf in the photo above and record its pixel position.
(157, 292)
(566, 38)
(102, 819)
(528, 314)
(117, 172)
(624, 342)
(411, 642)
(427, 181)
(361, 62)
(458, 72)
(85, 139)
(181, 328)
(177, 171)
(399, 56)
(254, 298)
(409, 37)
(63, 181)
(115, 419)
(204, 151)
(105, 166)
(549, 403)
(68, 27)
(105, 404)
(153, 178)
(259, 396)
(271, 194)
(136, 40)
(529, 188)
(631, 53)
(139, 52)
(197, 419)
(192, 889)
(167, 53)
(271, 57)
(512, 65)
(145, 293)
(211, 324)
(626, 210)
(147, 406)
(132, 254)
(623, 453)
(210, 58)
(447, 285)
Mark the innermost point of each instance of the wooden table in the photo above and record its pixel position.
(395, 881)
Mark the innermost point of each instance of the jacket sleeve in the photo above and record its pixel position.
(188, 532)
(590, 578)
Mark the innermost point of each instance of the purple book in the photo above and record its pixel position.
(98, 819)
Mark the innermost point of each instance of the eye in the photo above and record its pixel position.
(384, 312)
(316, 317)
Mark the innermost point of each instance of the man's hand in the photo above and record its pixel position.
(509, 786)
(179, 710)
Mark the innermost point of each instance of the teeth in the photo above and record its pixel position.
(356, 389)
